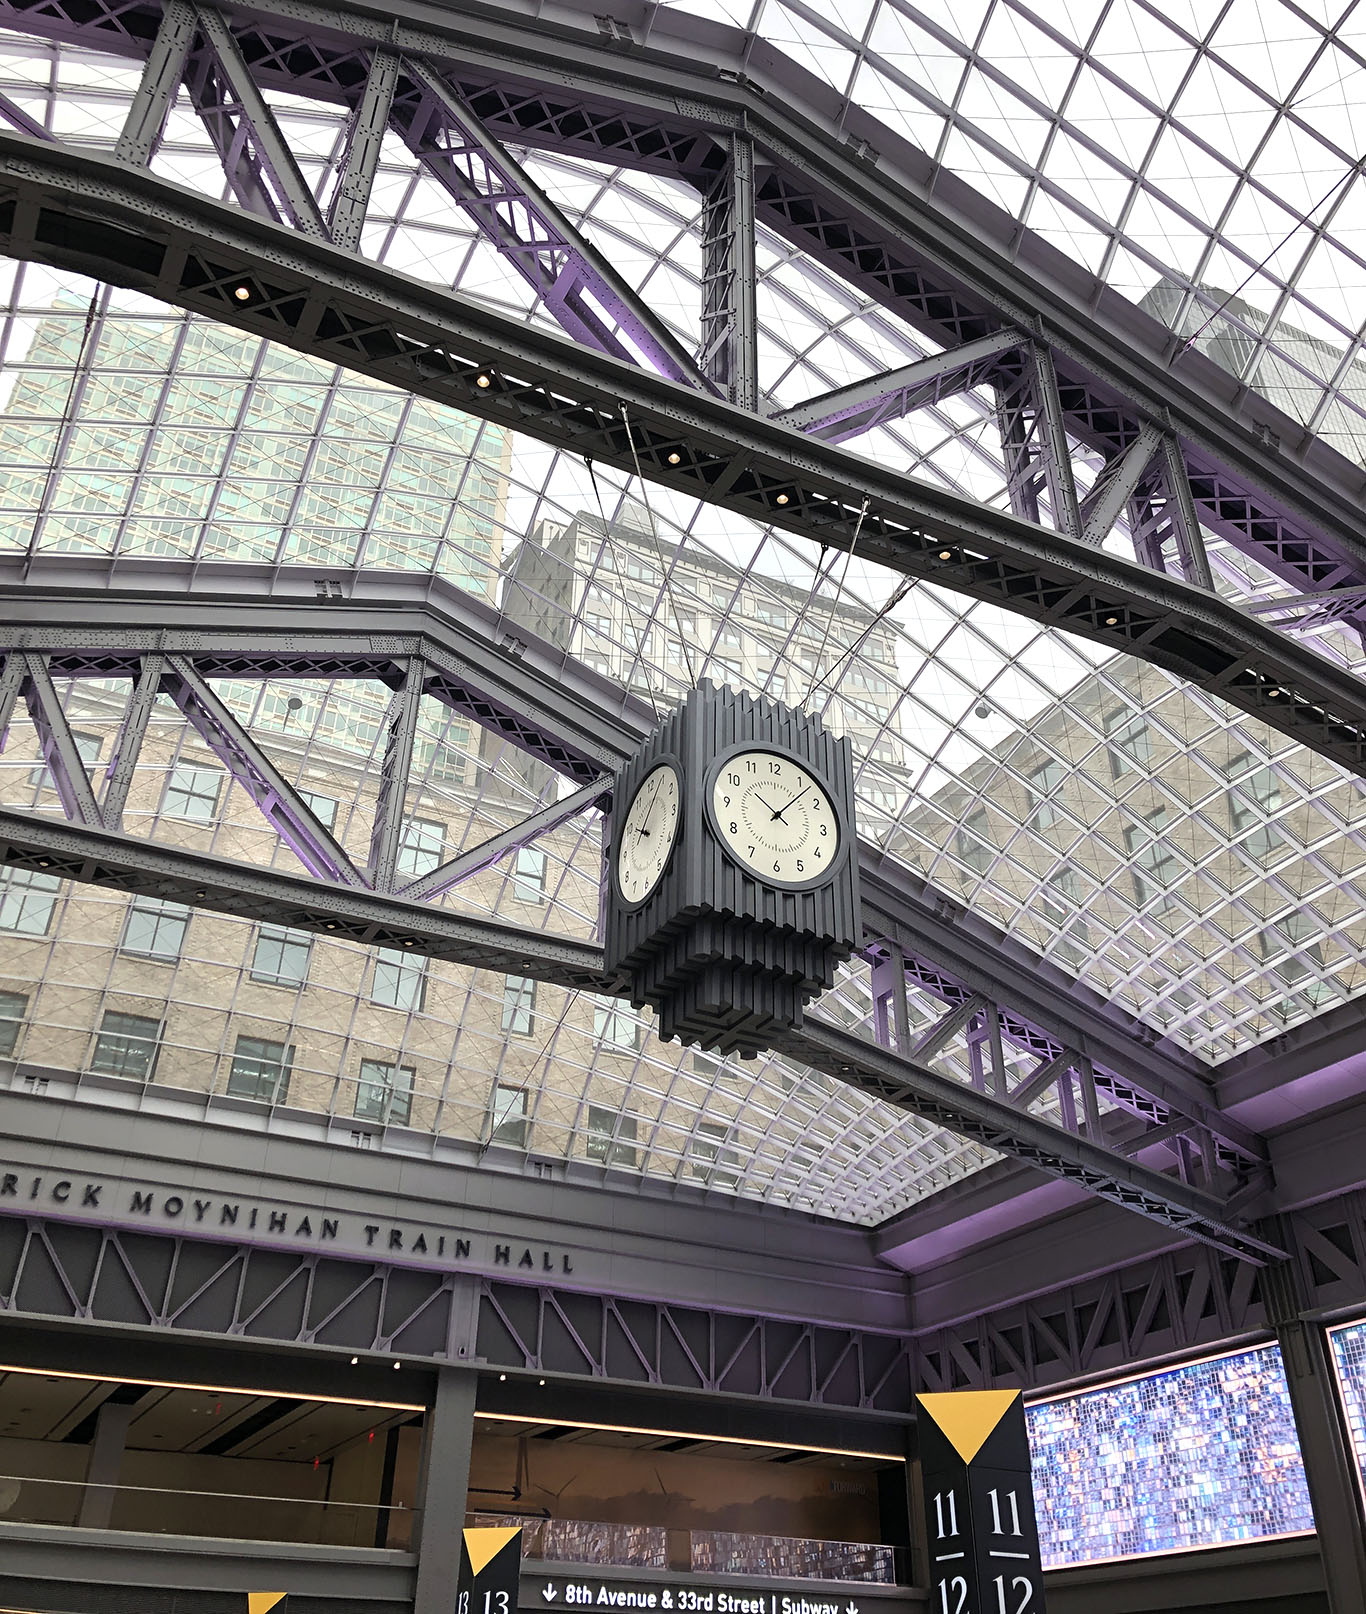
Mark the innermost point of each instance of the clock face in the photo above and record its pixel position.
(775, 819)
(648, 833)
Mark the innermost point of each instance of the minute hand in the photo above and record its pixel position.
(792, 803)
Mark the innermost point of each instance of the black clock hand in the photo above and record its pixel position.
(786, 805)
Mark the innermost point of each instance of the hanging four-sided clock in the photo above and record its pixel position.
(732, 871)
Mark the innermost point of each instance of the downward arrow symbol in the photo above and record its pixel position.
(550, 1594)
(851, 1608)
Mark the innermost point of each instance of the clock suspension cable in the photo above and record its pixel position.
(610, 548)
(899, 593)
(666, 571)
(817, 677)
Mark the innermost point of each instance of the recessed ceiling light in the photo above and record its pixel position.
(242, 293)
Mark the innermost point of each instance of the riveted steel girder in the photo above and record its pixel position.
(250, 621)
(101, 857)
(87, 213)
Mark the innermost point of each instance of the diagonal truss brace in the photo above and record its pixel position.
(400, 732)
(1115, 485)
(849, 411)
(128, 741)
(93, 855)
(161, 77)
(269, 146)
(450, 873)
(579, 286)
(57, 743)
(248, 764)
(365, 140)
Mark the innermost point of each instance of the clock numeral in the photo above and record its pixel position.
(777, 868)
(801, 867)
(734, 828)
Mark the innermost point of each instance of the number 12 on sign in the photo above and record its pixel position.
(1014, 1595)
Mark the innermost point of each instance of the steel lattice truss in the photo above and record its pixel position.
(1141, 505)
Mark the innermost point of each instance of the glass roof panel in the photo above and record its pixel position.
(1203, 872)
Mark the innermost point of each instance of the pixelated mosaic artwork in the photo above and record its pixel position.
(1198, 1456)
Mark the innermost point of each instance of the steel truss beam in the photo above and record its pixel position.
(100, 857)
(90, 214)
(559, 263)
(849, 411)
(287, 638)
(583, 726)
(842, 187)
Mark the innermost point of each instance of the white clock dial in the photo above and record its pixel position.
(775, 819)
(648, 834)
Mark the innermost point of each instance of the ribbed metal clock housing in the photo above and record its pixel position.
(723, 956)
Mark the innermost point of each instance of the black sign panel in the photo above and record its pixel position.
(980, 1527)
(490, 1571)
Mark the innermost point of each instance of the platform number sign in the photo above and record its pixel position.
(979, 1504)
(490, 1571)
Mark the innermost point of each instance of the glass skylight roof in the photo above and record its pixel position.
(1202, 871)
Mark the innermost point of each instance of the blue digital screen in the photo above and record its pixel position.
(1349, 1357)
(1192, 1457)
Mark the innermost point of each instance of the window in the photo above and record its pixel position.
(27, 898)
(324, 808)
(1263, 785)
(400, 980)
(126, 1045)
(1044, 782)
(615, 1025)
(193, 793)
(421, 846)
(385, 1093)
(1131, 743)
(13, 1008)
(966, 843)
(281, 956)
(519, 1006)
(710, 1159)
(155, 929)
(1153, 865)
(611, 1136)
(509, 1118)
(88, 748)
(261, 1069)
(528, 875)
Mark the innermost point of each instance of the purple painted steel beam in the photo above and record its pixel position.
(128, 742)
(57, 743)
(556, 259)
(480, 857)
(296, 822)
(848, 411)
(22, 120)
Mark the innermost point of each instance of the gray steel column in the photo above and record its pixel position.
(106, 1458)
(729, 353)
(1329, 1463)
(442, 1486)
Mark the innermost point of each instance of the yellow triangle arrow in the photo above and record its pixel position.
(967, 1417)
(483, 1546)
(263, 1602)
